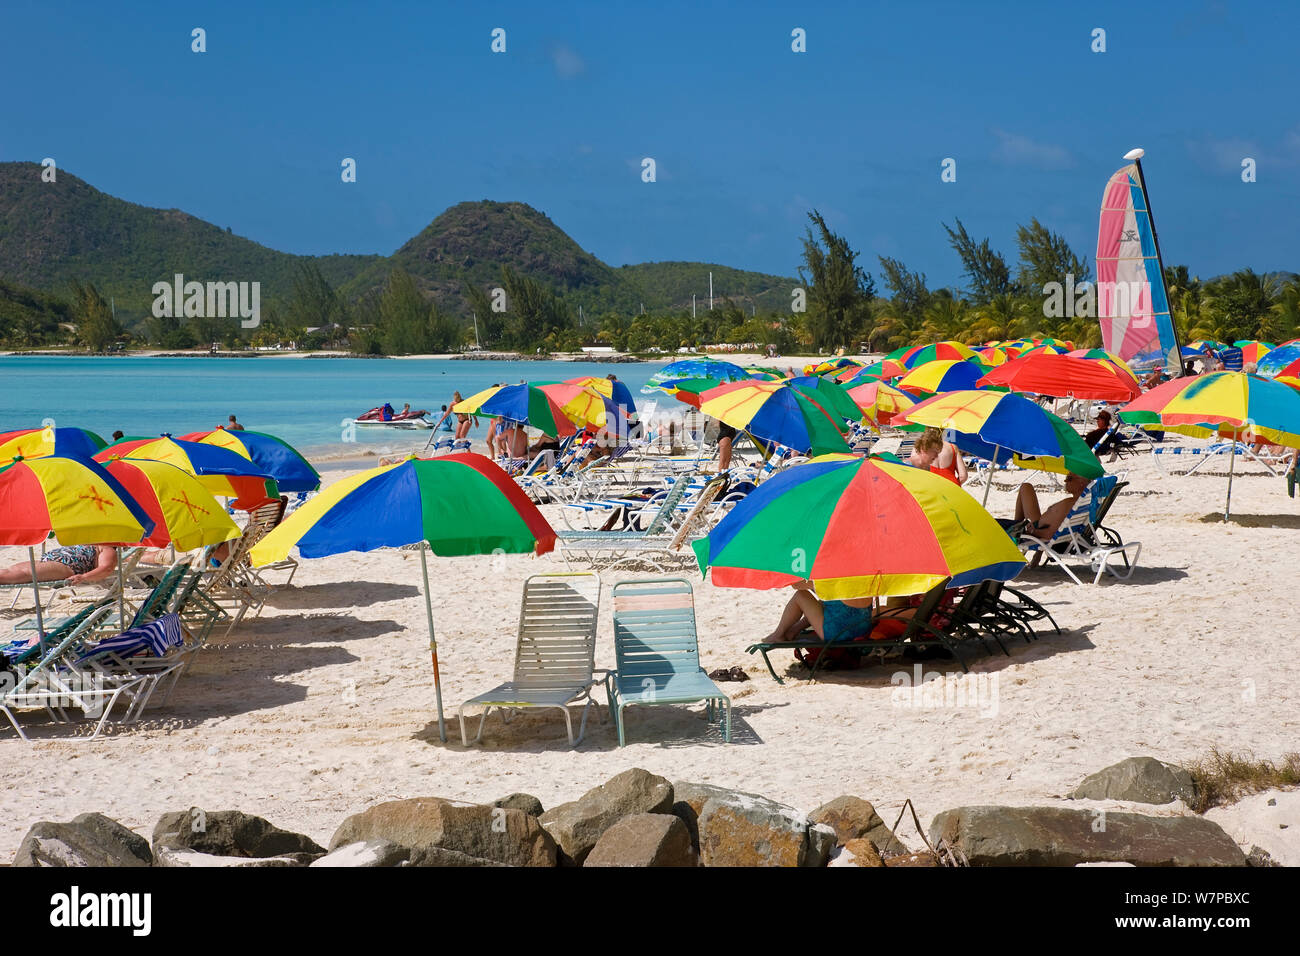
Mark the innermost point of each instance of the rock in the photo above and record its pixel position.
(441, 856)
(496, 834)
(644, 839)
(745, 830)
(578, 825)
(821, 841)
(366, 853)
(1139, 780)
(91, 839)
(689, 800)
(521, 801)
(857, 852)
(1059, 836)
(230, 833)
(853, 818)
(180, 857)
(924, 858)
(1258, 856)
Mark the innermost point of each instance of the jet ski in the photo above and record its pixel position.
(383, 416)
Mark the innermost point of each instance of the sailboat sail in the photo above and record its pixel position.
(1132, 303)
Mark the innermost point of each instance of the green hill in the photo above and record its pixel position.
(54, 233)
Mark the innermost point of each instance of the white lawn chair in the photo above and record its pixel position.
(555, 653)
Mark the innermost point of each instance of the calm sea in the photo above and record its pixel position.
(302, 401)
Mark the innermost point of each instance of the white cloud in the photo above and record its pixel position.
(1022, 151)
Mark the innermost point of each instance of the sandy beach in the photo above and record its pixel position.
(325, 703)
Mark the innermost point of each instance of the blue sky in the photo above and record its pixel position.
(746, 134)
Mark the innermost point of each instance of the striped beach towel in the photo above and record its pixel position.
(156, 637)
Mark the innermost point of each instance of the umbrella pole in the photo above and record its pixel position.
(121, 590)
(433, 644)
(989, 484)
(1232, 460)
(36, 593)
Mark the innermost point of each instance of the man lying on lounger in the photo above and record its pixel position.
(1043, 523)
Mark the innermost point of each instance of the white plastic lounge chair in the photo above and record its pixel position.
(554, 655)
(1081, 537)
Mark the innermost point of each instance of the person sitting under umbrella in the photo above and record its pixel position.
(1043, 523)
(832, 621)
(78, 564)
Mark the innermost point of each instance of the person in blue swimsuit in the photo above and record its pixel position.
(832, 621)
(78, 564)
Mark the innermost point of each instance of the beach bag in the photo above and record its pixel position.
(832, 658)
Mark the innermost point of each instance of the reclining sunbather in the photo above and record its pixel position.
(1045, 522)
(78, 564)
(830, 620)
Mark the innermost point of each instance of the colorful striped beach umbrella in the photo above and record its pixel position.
(702, 367)
(991, 356)
(583, 405)
(940, 351)
(689, 390)
(183, 512)
(773, 412)
(273, 457)
(220, 470)
(998, 426)
(764, 374)
(885, 370)
(829, 394)
(880, 402)
(74, 499)
(857, 528)
(943, 376)
(37, 442)
(526, 404)
(610, 388)
(1065, 376)
(1235, 405)
(458, 504)
(1255, 352)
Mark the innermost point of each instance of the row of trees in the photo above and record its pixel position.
(999, 300)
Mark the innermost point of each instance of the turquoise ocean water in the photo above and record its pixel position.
(302, 401)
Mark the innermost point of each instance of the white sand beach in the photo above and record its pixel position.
(325, 703)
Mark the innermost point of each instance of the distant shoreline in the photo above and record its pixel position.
(611, 358)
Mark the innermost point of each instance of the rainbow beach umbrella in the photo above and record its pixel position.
(703, 367)
(997, 426)
(583, 405)
(274, 457)
(458, 504)
(220, 470)
(74, 499)
(526, 404)
(856, 528)
(183, 512)
(945, 375)
(1065, 376)
(610, 388)
(940, 351)
(880, 402)
(49, 440)
(773, 412)
(827, 393)
(1235, 405)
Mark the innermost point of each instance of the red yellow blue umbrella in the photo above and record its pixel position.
(273, 457)
(459, 504)
(220, 470)
(774, 412)
(1065, 376)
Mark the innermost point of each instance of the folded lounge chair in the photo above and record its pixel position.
(656, 652)
(554, 654)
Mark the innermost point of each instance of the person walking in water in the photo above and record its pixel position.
(234, 426)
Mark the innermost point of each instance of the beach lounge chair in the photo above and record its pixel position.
(656, 652)
(920, 631)
(54, 684)
(1082, 537)
(554, 654)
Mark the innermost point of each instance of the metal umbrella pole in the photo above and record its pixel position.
(1232, 460)
(36, 591)
(121, 589)
(433, 643)
(992, 466)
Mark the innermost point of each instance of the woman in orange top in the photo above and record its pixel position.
(939, 456)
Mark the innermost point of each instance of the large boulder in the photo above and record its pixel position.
(738, 829)
(366, 853)
(853, 818)
(689, 800)
(231, 833)
(1139, 780)
(179, 857)
(441, 856)
(578, 825)
(521, 801)
(644, 839)
(494, 834)
(1059, 836)
(91, 839)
